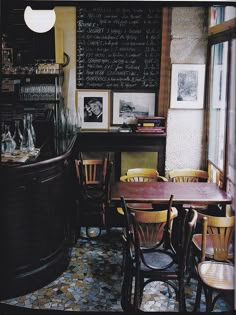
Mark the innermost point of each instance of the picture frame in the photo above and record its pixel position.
(93, 107)
(127, 105)
(7, 56)
(187, 86)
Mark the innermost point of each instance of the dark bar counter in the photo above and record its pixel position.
(36, 218)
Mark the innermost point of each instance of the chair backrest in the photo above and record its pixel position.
(152, 227)
(94, 171)
(142, 171)
(140, 238)
(142, 178)
(188, 175)
(220, 230)
(91, 171)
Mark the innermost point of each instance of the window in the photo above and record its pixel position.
(219, 14)
(221, 98)
(217, 114)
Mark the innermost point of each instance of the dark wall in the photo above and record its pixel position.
(27, 45)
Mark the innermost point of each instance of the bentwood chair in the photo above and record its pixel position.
(215, 269)
(94, 190)
(188, 175)
(142, 171)
(142, 177)
(151, 258)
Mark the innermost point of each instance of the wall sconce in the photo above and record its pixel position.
(39, 21)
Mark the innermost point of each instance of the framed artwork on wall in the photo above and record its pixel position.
(7, 56)
(93, 108)
(187, 86)
(126, 106)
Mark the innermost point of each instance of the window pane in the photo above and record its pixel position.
(232, 117)
(221, 14)
(217, 115)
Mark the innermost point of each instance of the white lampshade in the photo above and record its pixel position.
(39, 21)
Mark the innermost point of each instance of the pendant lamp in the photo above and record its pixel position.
(39, 21)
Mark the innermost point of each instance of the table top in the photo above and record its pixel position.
(159, 192)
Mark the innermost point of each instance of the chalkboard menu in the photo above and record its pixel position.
(118, 47)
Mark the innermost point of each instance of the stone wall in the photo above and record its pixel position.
(185, 128)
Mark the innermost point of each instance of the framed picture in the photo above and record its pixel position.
(187, 86)
(93, 107)
(128, 105)
(7, 56)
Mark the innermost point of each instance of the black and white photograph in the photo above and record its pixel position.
(128, 105)
(93, 106)
(187, 86)
(7, 56)
(93, 109)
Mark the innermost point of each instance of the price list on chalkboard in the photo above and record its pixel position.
(118, 47)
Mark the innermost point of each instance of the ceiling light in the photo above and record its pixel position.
(39, 21)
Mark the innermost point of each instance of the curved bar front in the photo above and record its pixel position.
(36, 216)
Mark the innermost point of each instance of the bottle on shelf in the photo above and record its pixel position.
(17, 136)
(10, 144)
(32, 128)
(27, 142)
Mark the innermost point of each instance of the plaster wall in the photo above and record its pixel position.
(66, 21)
(185, 128)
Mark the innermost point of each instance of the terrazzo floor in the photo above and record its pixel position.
(92, 283)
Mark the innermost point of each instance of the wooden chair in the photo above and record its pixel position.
(142, 171)
(217, 273)
(142, 177)
(150, 256)
(94, 190)
(188, 175)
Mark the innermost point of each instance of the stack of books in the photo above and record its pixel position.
(151, 124)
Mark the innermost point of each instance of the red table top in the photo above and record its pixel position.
(158, 192)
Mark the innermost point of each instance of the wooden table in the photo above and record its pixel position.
(159, 192)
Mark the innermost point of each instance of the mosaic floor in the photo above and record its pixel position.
(93, 283)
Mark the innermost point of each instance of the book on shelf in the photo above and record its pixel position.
(150, 121)
(149, 129)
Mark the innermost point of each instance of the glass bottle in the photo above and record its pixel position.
(10, 144)
(17, 136)
(62, 121)
(69, 122)
(27, 142)
(32, 129)
(3, 136)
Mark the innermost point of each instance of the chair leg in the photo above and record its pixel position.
(182, 306)
(198, 297)
(137, 291)
(126, 290)
(208, 295)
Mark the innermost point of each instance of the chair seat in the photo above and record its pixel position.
(197, 241)
(159, 260)
(96, 196)
(217, 274)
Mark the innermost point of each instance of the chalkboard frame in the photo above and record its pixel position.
(150, 95)
(147, 78)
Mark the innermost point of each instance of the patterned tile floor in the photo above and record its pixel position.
(93, 283)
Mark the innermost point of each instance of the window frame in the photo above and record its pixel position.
(223, 32)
